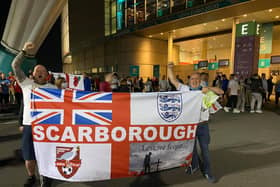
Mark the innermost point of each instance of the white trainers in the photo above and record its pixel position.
(236, 111)
(226, 109)
(259, 111)
(252, 111)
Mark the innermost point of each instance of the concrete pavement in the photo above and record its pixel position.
(245, 152)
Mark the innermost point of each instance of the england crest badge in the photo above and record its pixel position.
(68, 161)
(169, 106)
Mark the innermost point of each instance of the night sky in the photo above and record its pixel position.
(49, 53)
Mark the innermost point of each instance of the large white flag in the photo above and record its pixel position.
(87, 136)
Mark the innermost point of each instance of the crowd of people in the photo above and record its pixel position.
(242, 93)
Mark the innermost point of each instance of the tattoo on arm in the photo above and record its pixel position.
(19, 74)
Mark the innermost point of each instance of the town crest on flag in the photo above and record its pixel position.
(68, 161)
(169, 106)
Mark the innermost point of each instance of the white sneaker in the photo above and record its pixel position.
(236, 111)
(259, 111)
(252, 111)
(226, 109)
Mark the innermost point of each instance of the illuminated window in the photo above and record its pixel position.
(120, 14)
(151, 9)
(130, 12)
(107, 17)
(113, 16)
(163, 7)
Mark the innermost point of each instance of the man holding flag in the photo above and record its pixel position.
(202, 132)
(40, 77)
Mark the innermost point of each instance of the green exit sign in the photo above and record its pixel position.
(247, 29)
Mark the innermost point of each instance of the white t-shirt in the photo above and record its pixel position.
(204, 113)
(234, 87)
(27, 85)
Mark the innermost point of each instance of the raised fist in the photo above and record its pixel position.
(170, 65)
(28, 47)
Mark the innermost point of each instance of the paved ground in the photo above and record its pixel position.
(245, 152)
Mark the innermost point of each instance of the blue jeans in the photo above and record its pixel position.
(203, 138)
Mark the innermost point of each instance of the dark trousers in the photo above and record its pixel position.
(4, 98)
(232, 101)
(203, 138)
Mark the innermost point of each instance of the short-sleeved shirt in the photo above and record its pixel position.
(204, 114)
(234, 87)
(27, 85)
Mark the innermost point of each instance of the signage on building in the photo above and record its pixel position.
(275, 59)
(247, 29)
(247, 46)
(266, 38)
(223, 62)
(134, 70)
(156, 71)
(264, 63)
(213, 66)
(203, 64)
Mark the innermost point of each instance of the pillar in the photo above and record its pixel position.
(233, 37)
(170, 47)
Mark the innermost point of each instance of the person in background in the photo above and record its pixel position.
(202, 132)
(155, 84)
(265, 88)
(87, 82)
(257, 90)
(60, 83)
(269, 87)
(179, 79)
(12, 80)
(148, 85)
(224, 87)
(241, 96)
(163, 84)
(204, 79)
(5, 84)
(105, 83)
(18, 96)
(123, 86)
(277, 91)
(115, 82)
(233, 92)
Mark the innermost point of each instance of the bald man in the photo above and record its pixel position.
(40, 75)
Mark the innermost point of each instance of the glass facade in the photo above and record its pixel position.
(125, 14)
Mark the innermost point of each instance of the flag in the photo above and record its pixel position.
(89, 136)
(75, 81)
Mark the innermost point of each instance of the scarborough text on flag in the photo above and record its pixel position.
(87, 136)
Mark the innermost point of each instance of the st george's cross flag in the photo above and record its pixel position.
(89, 136)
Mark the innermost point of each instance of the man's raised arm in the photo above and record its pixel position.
(16, 64)
(171, 76)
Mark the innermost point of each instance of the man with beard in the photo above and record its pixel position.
(40, 79)
(202, 132)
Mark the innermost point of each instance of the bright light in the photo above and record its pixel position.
(277, 17)
(245, 15)
(270, 10)
(205, 24)
(217, 28)
(150, 36)
(223, 19)
(161, 33)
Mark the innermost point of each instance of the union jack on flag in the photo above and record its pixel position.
(54, 106)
